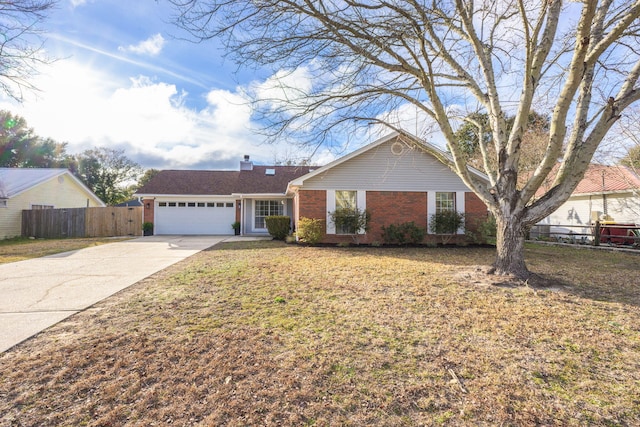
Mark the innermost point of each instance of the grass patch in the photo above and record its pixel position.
(263, 333)
(19, 249)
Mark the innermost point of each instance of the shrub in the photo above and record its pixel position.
(350, 221)
(485, 231)
(446, 224)
(310, 230)
(278, 226)
(402, 234)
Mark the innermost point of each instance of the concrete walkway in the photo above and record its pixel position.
(40, 292)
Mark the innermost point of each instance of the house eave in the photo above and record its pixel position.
(600, 193)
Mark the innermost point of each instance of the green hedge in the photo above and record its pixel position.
(278, 226)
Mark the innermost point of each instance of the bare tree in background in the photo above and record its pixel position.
(21, 44)
(578, 60)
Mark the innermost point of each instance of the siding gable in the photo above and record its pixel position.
(391, 166)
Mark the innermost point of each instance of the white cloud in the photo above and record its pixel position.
(76, 3)
(151, 46)
(88, 108)
(285, 88)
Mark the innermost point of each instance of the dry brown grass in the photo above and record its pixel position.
(13, 250)
(267, 334)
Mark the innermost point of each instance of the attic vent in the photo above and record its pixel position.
(397, 148)
(270, 172)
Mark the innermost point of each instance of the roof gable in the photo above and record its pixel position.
(391, 163)
(14, 181)
(223, 183)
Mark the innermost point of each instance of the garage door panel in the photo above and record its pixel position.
(194, 220)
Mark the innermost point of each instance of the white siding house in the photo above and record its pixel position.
(606, 193)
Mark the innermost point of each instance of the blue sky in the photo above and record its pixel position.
(125, 79)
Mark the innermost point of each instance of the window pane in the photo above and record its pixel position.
(265, 208)
(346, 199)
(445, 202)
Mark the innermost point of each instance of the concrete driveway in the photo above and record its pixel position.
(40, 292)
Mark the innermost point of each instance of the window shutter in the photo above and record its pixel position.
(331, 206)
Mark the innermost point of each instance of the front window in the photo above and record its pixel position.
(445, 202)
(265, 208)
(346, 200)
(3, 204)
(40, 207)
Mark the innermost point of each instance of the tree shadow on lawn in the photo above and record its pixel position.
(599, 275)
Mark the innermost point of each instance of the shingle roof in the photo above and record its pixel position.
(200, 182)
(16, 180)
(600, 178)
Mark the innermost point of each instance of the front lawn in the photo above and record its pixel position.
(263, 333)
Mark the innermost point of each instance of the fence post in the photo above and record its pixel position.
(596, 239)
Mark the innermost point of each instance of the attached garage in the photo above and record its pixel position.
(194, 217)
(209, 202)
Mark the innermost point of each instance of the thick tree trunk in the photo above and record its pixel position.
(510, 248)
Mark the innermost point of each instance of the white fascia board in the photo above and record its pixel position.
(261, 196)
(189, 196)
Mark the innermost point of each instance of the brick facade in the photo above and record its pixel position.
(386, 208)
(475, 211)
(149, 206)
(395, 207)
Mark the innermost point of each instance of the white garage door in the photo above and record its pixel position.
(194, 217)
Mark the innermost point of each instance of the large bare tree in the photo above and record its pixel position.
(21, 44)
(579, 60)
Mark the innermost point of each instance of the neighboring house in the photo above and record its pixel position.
(32, 188)
(606, 193)
(395, 181)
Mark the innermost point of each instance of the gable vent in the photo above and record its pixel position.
(270, 172)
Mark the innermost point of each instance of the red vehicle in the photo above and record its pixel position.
(619, 234)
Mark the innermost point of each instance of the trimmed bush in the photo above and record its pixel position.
(278, 226)
(350, 221)
(310, 230)
(403, 234)
(446, 224)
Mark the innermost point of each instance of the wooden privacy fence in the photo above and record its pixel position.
(82, 222)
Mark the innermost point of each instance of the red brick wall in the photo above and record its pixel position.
(475, 211)
(312, 204)
(395, 207)
(148, 205)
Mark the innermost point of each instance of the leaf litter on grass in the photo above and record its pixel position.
(366, 336)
